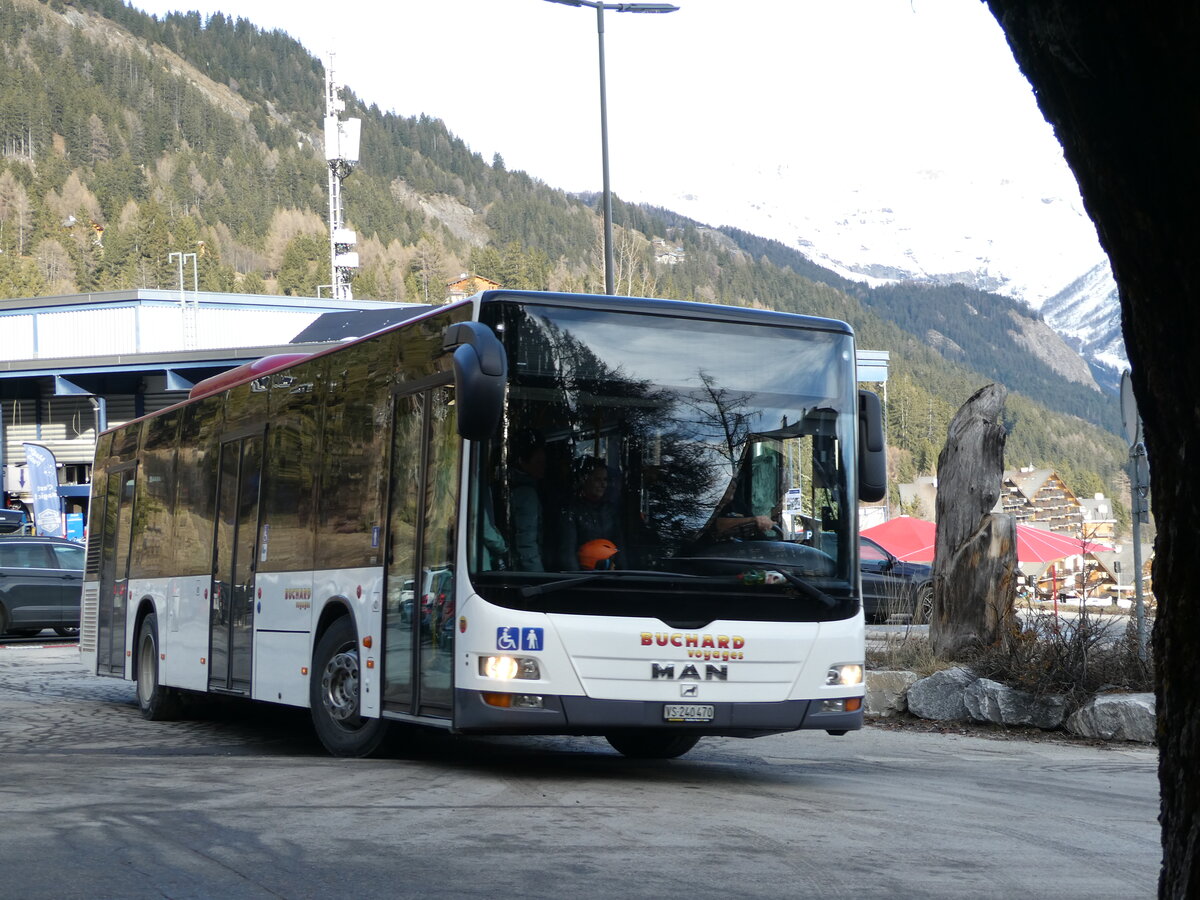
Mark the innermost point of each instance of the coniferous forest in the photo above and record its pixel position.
(125, 137)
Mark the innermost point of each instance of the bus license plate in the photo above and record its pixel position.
(687, 712)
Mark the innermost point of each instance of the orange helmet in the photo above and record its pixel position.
(597, 554)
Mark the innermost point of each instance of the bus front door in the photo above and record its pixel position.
(420, 581)
(231, 611)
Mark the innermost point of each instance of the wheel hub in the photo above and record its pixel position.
(339, 686)
(146, 668)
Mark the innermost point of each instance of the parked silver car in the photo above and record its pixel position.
(41, 582)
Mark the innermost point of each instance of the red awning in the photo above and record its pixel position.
(1042, 546)
(913, 540)
(905, 537)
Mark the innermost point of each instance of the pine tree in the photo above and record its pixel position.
(298, 272)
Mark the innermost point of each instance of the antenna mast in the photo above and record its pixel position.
(341, 153)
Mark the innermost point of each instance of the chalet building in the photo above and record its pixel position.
(1112, 576)
(1039, 497)
(468, 285)
(1099, 520)
(1034, 497)
(668, 254)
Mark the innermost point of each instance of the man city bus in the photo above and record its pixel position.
(340, 530)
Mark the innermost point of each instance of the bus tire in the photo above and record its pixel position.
(157, 703)
(333, 694)
(652, 744)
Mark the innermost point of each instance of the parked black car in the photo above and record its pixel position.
(41, 582)
(13, 521)
(892, 588)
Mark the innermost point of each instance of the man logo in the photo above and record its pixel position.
(689, 690)
(666, 672)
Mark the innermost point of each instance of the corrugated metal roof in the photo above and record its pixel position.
(118, 323)
(204, 298)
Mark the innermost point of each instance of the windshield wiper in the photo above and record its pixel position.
(811, 591)
(534, 590)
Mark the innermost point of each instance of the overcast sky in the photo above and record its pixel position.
(840, 96)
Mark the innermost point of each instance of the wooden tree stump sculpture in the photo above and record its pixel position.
(975, 556)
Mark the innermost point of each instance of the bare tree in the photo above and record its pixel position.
(16, 211)
(55, 266)
(632, 276)
(286, 226)
(429, 267)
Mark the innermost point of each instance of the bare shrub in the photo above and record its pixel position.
(909, 650)
(1076, 656)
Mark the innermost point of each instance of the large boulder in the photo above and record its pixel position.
(991, 701)
(887, 691)
(1116, 717)
(940, 696)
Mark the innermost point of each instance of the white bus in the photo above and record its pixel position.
(524, 513)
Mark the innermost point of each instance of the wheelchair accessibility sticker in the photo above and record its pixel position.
(509, 637)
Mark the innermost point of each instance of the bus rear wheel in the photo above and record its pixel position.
(157, 703)
(652, 744)
(334, 695)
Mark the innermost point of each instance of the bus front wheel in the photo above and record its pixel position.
(334, 692)
(158, 703)
(652, 744)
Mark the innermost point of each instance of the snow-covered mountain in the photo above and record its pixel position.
(1087, 314)
(1029, 239)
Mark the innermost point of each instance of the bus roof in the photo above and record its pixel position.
(675, 308)
(406, 315)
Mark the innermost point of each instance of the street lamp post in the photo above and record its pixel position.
(607, 190)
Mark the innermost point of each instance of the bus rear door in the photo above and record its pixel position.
(231, 596)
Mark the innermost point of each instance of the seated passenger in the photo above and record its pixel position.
(589, 516)
(597, 555)
(525, 502)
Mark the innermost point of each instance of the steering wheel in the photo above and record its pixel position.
(774, 533)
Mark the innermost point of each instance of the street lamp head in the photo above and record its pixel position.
(621, 7)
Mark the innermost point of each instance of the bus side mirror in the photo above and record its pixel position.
(480, 374)
(872, 455)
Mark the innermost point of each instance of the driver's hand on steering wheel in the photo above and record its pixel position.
(744, 526)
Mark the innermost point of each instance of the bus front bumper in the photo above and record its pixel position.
(474, 714)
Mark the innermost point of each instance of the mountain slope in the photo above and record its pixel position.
(175, 133)
(1088, 313)
(992, 334)
(1032, 245)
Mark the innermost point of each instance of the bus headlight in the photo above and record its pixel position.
(507, 668)
(844, 674)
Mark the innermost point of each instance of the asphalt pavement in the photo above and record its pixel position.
(240, 801)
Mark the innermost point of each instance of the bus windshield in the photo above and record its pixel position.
(672, 466)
